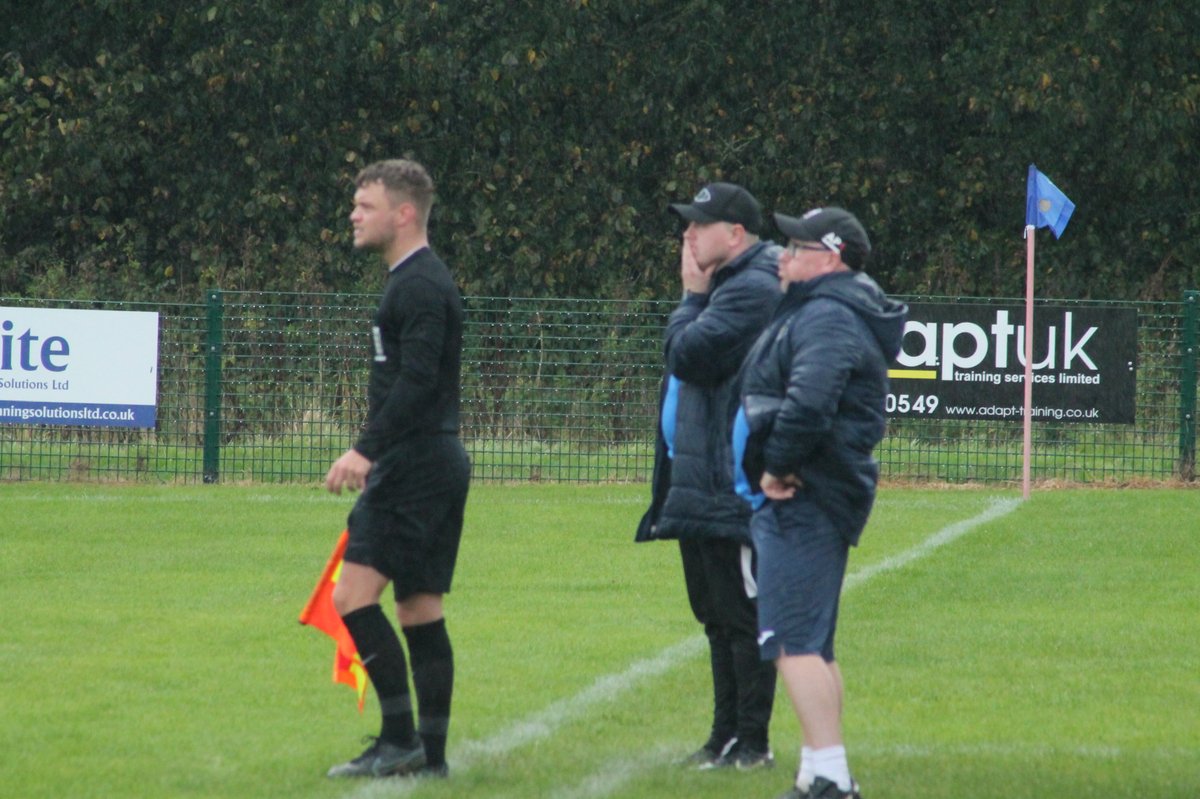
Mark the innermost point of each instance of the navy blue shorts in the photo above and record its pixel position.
(801, 565)
(407, 523)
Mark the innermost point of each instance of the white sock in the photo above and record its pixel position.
(804, 776)
(831, 764)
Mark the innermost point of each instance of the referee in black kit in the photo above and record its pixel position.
(413, 472)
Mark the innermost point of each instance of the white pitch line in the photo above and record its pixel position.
(545, 722)
(605, 689)
(920, 751)
(1037, 751)
(998, 508)
(616, 775)
(608, 688)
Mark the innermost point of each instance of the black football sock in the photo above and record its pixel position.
(381, 653)
(433, 680)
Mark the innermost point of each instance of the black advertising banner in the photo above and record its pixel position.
(968, 362)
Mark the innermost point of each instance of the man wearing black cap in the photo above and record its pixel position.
(731, 286)
(812, 411)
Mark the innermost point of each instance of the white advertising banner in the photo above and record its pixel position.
(78, 367)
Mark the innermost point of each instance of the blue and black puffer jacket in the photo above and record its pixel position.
(813, 390)
(707, 338)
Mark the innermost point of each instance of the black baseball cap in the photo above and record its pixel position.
(836, 228)
(722, 202)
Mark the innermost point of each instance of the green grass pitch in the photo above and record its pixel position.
(991, 648)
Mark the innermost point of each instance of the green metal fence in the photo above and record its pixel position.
(271, 387)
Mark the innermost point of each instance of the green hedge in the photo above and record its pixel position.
(150, 149)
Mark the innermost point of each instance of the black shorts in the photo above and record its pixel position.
(407, 523)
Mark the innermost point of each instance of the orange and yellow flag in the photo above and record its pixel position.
(320, 613)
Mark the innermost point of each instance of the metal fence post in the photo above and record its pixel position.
(1187, 386)
(212, 388)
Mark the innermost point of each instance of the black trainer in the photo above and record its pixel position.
(382, 759)
(744, 757)
(750, 757)
(428, 771)
(708, 755)
(823, 788)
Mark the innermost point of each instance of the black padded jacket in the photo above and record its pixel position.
(813, 390)
(706, 339)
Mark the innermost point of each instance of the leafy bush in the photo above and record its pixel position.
(153, 149)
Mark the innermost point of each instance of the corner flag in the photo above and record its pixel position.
(320, 613)
(1045, 204)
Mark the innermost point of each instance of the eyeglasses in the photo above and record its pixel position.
(795, 247)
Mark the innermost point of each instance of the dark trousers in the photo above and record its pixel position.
(743, 684)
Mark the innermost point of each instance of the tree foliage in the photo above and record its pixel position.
(150, 148)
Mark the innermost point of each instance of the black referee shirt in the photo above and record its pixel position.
(416, 356)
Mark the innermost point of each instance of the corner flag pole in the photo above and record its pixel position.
(1045, 206)
(1028, 439)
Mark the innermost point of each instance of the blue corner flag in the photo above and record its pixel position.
(1045, 204)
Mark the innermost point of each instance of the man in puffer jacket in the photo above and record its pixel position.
(731, 288)
(813, 390)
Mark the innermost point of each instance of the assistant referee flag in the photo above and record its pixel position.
(320, 613)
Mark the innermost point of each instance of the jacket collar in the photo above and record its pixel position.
(738, 264)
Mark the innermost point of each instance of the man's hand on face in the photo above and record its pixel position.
(696, 279)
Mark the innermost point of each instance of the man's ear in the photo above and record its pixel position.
(737, 235)
(405, 214)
